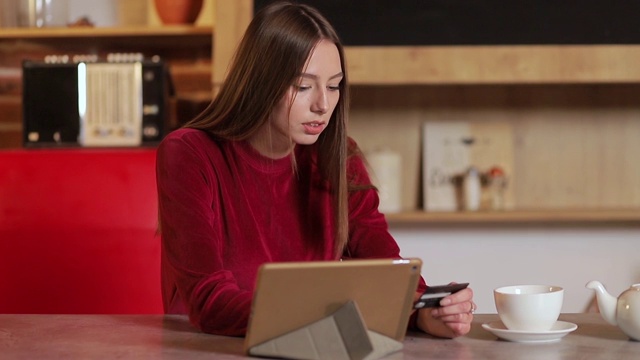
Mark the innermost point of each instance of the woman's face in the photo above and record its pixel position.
(304, 112)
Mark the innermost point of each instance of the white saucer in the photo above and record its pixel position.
(559, 330)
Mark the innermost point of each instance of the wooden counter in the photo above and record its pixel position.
(172, 337)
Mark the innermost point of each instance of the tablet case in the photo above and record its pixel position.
(340, 336)
(357, 309)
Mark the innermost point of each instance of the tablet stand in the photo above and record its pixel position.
(339, 336)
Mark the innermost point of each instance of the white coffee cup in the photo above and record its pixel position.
(533, 308)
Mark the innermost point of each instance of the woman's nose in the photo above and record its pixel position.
(321, 102)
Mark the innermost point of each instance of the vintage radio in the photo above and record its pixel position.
(118, 102)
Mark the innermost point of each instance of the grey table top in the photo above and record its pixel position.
(172, 337)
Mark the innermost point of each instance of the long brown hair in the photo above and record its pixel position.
(268, 61)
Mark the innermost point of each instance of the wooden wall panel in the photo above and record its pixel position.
(10, 120)
(10, 109)
(391, 119)
(231, 19)
(10, 139)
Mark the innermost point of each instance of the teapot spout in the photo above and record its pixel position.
(606, 302)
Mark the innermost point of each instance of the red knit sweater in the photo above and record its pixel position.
(225, 209)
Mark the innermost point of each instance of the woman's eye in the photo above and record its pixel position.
(302, 87)
(334, 87)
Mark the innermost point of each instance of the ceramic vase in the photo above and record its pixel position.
(173, 12)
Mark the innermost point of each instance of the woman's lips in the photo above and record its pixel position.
(313, 128)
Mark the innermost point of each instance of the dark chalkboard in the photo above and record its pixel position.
(481, 22)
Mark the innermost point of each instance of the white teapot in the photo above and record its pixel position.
(623, 311)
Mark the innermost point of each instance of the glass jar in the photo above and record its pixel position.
(42, 13)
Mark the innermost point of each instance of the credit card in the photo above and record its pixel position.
(433, 294)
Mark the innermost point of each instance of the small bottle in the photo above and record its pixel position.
(497, 184)
(472, 189)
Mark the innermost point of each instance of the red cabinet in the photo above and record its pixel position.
(78, 231)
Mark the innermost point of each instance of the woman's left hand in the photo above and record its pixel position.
(452, 319)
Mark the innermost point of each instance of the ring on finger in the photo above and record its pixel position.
(473, 308)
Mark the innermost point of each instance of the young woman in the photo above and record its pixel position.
(267, 173)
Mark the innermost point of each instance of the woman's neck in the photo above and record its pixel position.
(271, 144)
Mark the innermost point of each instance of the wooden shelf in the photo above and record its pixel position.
(469, 65)
(105, 32)
(619, 217)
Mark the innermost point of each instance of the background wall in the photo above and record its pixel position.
(101, 13)
(490, 257)
(127, 12)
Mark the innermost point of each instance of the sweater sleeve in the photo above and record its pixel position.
(194, 279)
